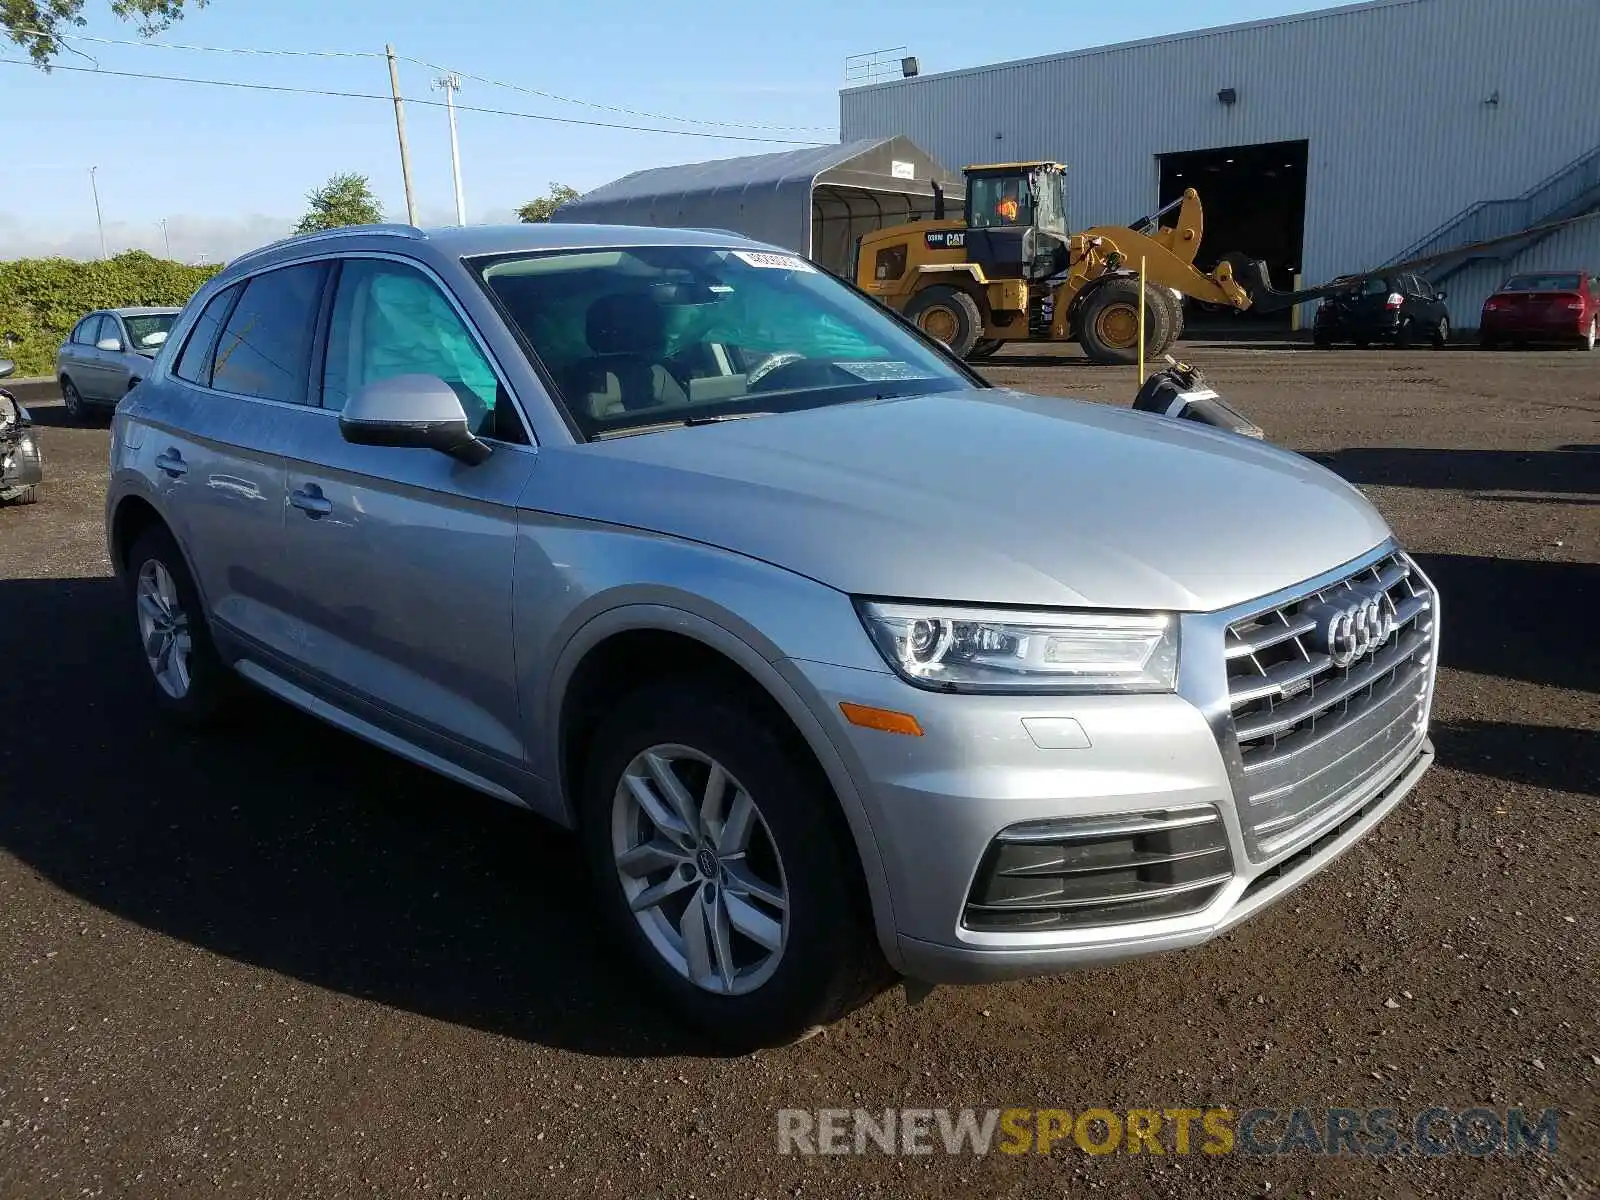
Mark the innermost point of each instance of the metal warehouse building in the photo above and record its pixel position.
(1325, 142)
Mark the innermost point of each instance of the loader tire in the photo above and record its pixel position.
(984, 348)
(1108, 324)
(1175, 309)
(947, 315)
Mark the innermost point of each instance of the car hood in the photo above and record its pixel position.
(982, 496)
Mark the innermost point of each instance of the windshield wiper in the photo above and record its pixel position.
(679, 423)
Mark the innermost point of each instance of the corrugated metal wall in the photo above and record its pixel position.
(1390, 95)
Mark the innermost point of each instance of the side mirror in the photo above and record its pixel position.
(7, 367)
(113, 344)
(420, 412)
(1441, 295)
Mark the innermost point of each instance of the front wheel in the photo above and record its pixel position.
(719, 858)
(984, 348)
(1108, 325)
(1441, 334)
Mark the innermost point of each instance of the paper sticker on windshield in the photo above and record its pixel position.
(775, 262)
(877, 372)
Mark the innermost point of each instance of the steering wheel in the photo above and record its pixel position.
(770, 364)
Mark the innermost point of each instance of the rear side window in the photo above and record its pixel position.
(265, 347)
(83, 335)
(194, 364)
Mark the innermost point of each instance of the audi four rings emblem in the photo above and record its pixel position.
(1349, 629)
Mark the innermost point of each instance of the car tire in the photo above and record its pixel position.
(1593, 337)
(1487, 343)
(1322, 341)
(25, 495)
(72, 400)
(1107, 323)
(795, 847)
(940, 310)
(189, 681)
(1402, 337)
(1441, 334)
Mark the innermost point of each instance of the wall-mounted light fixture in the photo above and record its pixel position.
(1228, 96)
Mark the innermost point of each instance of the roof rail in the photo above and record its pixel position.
(390, 229)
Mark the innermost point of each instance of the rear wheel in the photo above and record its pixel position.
(1108, 324)
(72, 400)
(1441, 334)
(1593, 336)
(1402, 339)
(717, 858)
(1175, 315)
(190, 681)
(948, 315)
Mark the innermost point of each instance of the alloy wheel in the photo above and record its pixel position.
(71, 400)
(1594, 332)
(700, 869)
(164, 628)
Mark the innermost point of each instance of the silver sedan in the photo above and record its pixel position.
(107, 354)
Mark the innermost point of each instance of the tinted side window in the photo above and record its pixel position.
(80, 335)
(266, 345)
(194, 364)
(390, 319)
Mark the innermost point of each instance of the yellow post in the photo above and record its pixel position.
(1141, 320)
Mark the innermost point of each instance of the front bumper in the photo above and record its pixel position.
(21, 462)
(986, 767)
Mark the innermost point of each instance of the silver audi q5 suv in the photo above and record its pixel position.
(839, 661)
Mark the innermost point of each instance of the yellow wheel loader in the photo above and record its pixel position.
(1010, 271)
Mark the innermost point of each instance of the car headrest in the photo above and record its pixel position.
(626, 323)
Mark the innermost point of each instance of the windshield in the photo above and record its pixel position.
(1541, 283)
(999, 200)
(653, 335)
(148, 332)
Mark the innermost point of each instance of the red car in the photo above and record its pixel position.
(1543, 306)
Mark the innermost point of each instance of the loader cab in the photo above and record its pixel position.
(1017, 219)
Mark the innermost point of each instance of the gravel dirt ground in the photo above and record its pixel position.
(280, 963)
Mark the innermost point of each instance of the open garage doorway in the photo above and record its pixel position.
(1255, 207)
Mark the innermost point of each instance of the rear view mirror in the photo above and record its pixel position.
(421, 412)
(111, 343)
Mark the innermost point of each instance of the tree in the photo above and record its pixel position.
(538, 210)
(36, 25)
(343, 200)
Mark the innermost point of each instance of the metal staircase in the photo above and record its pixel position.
(1488, 229)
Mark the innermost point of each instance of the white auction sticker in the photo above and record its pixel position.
(776, 262)
(881, 371)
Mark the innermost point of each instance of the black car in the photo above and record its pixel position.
(1400, 309)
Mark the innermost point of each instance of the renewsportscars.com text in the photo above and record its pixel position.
(1381, 1132)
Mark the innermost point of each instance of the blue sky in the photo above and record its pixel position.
(228, 169)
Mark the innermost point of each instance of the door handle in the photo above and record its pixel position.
(172, 463)
(311, 501)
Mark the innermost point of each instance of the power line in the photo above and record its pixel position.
(435, 67)
(388, 99)
(629, 112)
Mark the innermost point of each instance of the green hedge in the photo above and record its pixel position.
(41, 299)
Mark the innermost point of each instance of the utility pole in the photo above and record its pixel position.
(165, 240)
(451, 84)
(99, 221)
(400, 130)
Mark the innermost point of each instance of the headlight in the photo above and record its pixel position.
(979, 650)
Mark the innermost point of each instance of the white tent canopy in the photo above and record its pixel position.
(815, 201)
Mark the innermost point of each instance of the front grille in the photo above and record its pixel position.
(1074, 873)
(1311, 734)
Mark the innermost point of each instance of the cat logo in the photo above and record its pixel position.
(946, 239)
